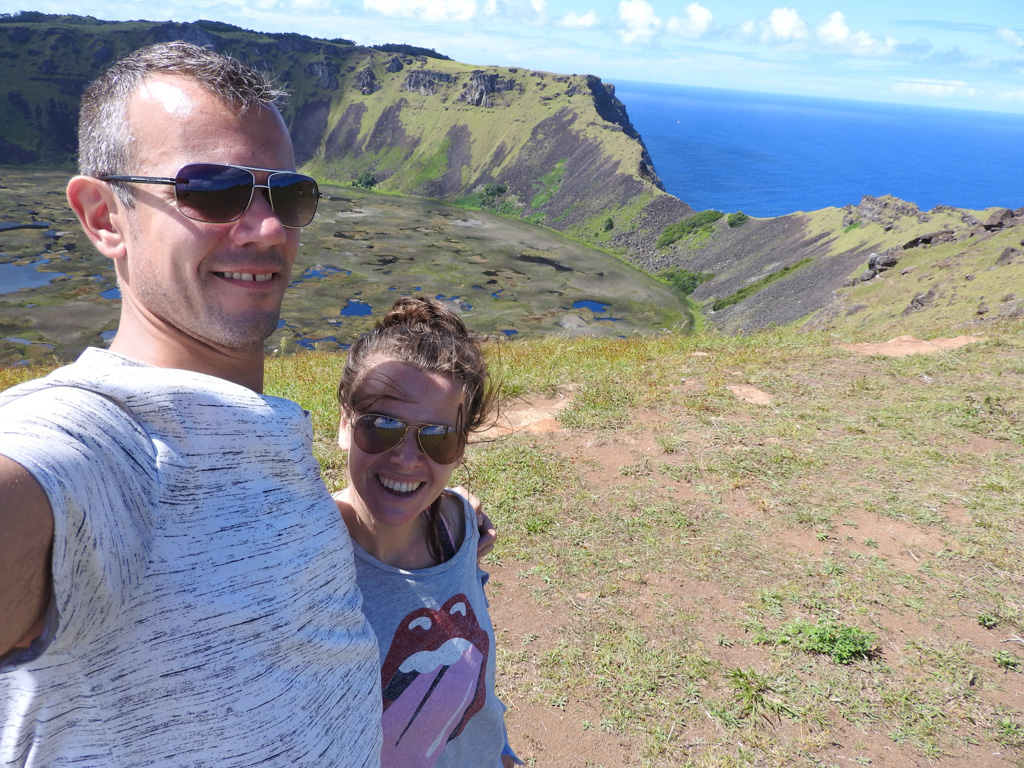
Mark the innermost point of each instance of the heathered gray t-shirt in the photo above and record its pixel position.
(205, 611)
(437, 658)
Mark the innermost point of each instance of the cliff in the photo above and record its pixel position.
(557, 150)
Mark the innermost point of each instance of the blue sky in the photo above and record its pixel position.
(967, 55)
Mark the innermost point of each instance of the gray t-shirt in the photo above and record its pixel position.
(205, 611)
(437, 658)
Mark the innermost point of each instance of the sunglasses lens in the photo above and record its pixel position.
(376, 434)
(213, 193)
(294, 198)
(442, 445)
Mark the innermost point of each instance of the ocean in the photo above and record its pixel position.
(771, 154)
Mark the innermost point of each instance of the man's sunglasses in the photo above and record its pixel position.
(218, 194)
(375, 433)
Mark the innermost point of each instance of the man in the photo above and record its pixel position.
(176, 586)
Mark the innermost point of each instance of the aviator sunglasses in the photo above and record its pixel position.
(218, 194)
(375, 433)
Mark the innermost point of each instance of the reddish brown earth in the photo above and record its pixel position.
(552, 735)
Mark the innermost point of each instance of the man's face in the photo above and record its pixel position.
(218, 285)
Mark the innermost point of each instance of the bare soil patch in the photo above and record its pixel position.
(908, 345)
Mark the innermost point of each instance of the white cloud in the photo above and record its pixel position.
(429, 10)
(540, 6)
(311, 5)
(834, 33)
(1011, 37)
(784, 25)
(937, 88)
(694, 25)
(573, 20)
(639, 20)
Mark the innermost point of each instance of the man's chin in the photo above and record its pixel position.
(246, 334)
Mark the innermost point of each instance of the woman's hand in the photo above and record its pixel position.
(488, 535)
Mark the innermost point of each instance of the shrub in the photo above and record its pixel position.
(681, 281)
(489, 197)
(737, 219)
(609, 225)
(699, 222)
(366, 181)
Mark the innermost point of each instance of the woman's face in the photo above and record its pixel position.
(396, 485)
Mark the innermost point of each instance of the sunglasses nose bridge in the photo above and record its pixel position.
(409, 445)
(263, 191)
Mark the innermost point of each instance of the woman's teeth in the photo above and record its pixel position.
(398, 486)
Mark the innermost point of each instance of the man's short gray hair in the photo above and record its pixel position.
(105, 141)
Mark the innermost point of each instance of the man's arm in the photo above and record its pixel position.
(26, 538)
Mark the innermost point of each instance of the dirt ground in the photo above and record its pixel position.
(552, 736)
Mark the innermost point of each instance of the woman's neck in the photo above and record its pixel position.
(402, 547)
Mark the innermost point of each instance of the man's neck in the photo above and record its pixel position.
(242, 367)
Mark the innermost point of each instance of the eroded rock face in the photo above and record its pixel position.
(482, 85)
(425, 82)
(366, 82)
(322, 75)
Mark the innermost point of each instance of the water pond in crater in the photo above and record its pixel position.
(508, 278)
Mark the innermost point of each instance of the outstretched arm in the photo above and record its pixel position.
(26, 537)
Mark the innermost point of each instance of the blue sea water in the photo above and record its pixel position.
(772, 154)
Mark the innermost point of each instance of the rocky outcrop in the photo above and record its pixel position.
(1009, 255)
(1000, 218)
(932, 238)
(885, 211)
(322, 75)
(920, 301)
(481, 86)
(366, 82)
(878, 263)
(425, 82)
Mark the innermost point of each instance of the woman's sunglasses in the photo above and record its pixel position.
(218, 194)
(374, 433)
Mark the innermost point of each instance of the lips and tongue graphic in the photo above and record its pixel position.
(433, 681)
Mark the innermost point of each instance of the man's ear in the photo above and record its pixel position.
(101, 213)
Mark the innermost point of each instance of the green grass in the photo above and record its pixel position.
(432, 167)
(749, 290)
(549, 184)
(696, 228)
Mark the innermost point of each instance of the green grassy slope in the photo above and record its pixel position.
(808, 269)
(561, 146)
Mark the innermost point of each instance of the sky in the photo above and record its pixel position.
(949, 53)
